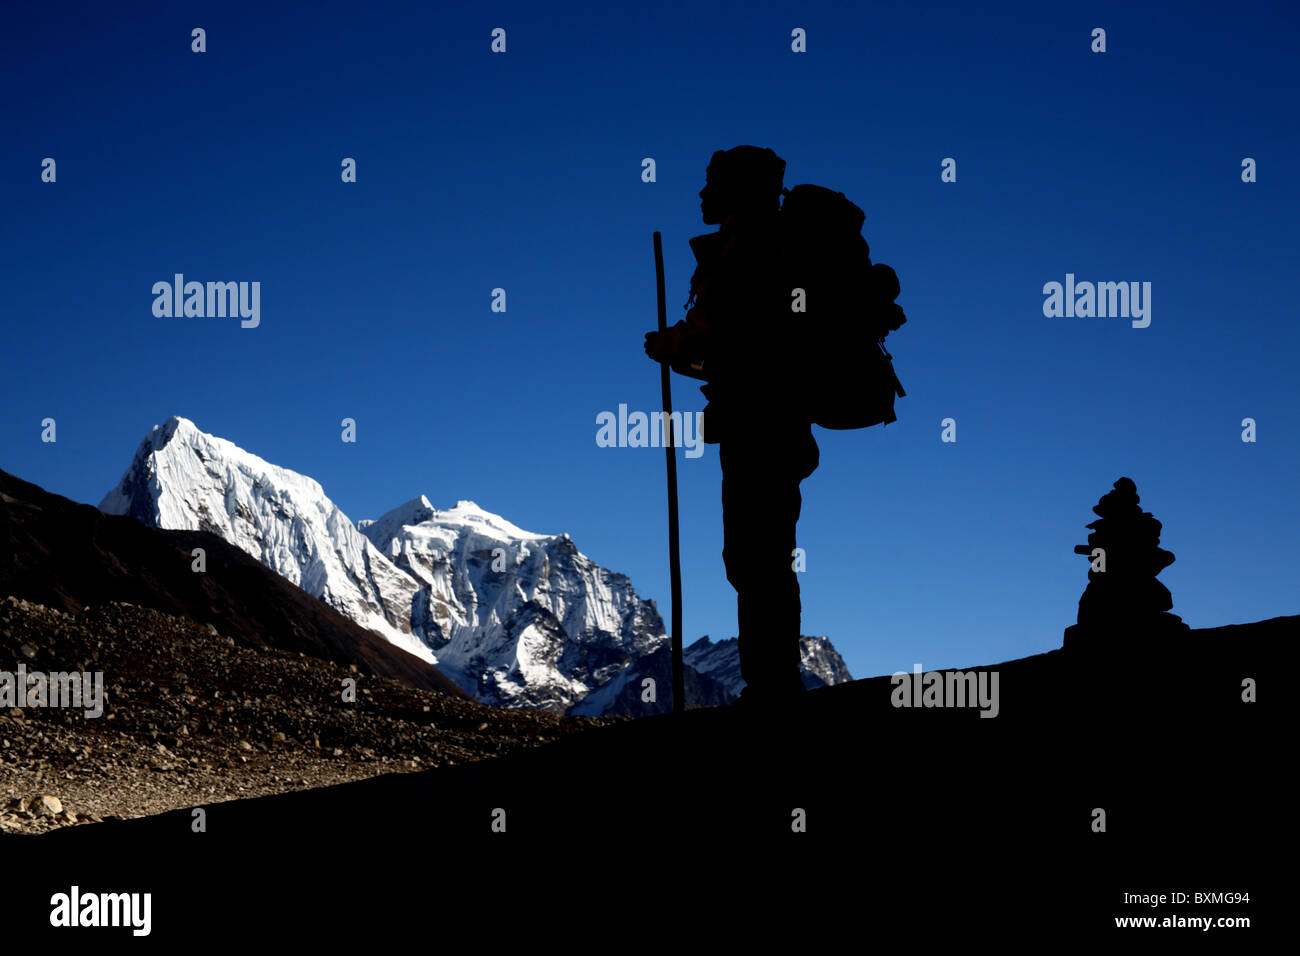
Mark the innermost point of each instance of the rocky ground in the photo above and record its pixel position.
(192, 717)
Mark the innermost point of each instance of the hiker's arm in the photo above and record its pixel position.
(688, 337)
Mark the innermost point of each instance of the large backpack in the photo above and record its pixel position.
(846, 377)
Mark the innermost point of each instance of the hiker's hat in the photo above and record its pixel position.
(747, 170)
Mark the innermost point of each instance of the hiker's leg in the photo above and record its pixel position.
(760, 509)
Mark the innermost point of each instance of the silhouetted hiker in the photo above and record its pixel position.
(736, 335)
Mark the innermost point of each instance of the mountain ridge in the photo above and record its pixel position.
(513, 617)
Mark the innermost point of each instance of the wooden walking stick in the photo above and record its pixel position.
(674, 546)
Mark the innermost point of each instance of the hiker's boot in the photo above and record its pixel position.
(771, 694)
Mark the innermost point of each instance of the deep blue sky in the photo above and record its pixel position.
(523, 170)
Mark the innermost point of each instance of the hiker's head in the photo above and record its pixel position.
(743, 179)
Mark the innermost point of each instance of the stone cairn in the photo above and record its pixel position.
(1123, 603)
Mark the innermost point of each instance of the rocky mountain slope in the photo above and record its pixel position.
(996, 819)
(190, 715)
(69, 556)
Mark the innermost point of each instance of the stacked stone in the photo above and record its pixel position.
(1125, 599)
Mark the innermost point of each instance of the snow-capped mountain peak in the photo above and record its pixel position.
(516, 617)
(466, 516)
(184, 478)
